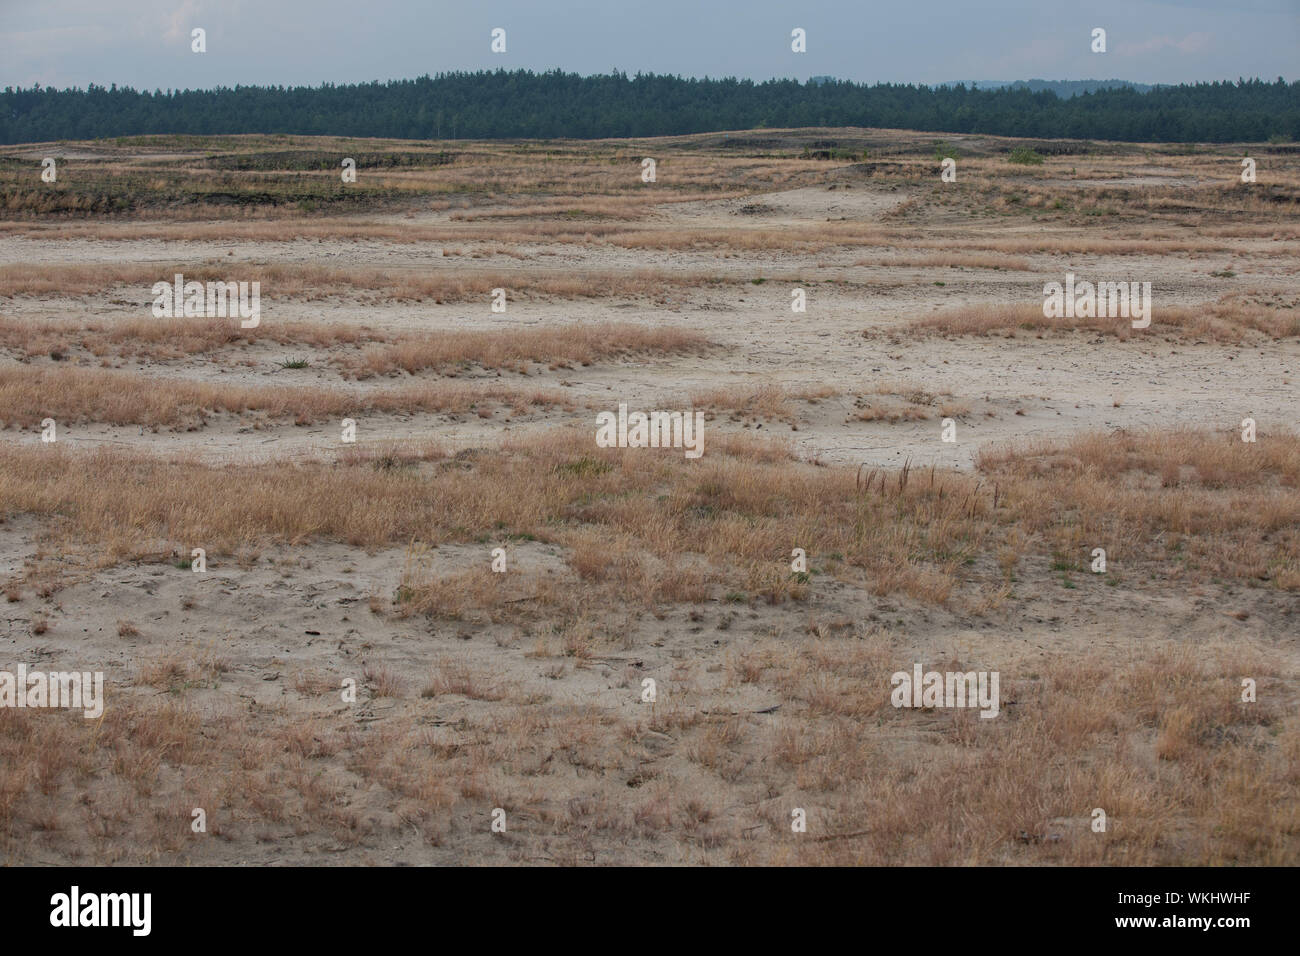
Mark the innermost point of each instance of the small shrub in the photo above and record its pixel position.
(1025, 156)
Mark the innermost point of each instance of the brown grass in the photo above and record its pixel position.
(1185, 772)
(1197, 504)
(167, 338)
(955, 260)
(456, 677)
(121, 398)
(161, 339)
(1224, 321)
(661, 526)
(302, 281)
(556, 347)
(769, 402)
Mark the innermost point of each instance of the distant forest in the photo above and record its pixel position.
(1062, 88)
(523, 104)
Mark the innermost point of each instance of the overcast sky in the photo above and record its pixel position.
(146, 43)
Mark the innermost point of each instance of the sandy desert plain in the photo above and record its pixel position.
(370, 561)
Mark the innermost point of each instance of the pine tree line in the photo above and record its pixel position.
(523, 104)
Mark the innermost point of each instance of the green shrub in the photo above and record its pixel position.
(1025, 156)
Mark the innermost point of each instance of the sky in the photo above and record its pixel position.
(146, 44)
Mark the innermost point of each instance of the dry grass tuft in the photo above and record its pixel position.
(1224, 321)
(119, 398)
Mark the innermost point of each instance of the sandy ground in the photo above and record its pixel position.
(1019, 388)
(290, 611)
